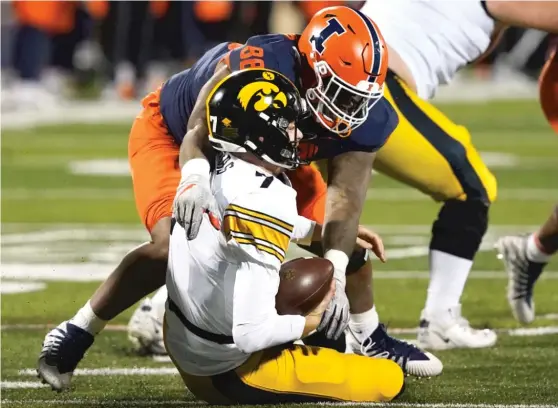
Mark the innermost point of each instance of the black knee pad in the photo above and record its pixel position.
(356, 261)
(460, 227)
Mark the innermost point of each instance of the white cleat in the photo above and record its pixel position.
(447, 329)
(145, 330)
(522, 275)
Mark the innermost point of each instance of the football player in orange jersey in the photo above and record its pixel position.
(339, 64)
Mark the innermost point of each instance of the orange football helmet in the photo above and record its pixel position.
(349, 56)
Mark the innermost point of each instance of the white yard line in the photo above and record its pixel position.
(21, 287)
(68, 194)
(77, 233)
(17, 326)
(75, 112)
(11, 385)
(94, 372)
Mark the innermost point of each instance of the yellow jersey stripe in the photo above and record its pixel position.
(250, 229)
(237, 234)
(243, 216)
(261, 216)
(257, 230)
(247, 241)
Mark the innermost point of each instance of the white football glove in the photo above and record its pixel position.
(336, 317)
(193, 197)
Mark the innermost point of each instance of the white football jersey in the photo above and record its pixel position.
(435, 38)
(225, 281)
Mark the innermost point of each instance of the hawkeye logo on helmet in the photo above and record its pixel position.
(261, 95)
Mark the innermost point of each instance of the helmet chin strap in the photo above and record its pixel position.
(337, 125)
(338, 128)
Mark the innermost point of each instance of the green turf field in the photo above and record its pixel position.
(63, 228)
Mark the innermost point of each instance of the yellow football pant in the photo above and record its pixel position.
(299, 374)
(431, 153)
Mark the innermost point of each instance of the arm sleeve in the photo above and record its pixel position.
(256, 324)
(303, 230)
(258, 229)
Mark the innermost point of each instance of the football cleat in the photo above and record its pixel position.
(522, 275)
(410, 358)
(447, 329)
(63, 349)
(145, 330)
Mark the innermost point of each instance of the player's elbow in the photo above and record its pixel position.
(248, 337)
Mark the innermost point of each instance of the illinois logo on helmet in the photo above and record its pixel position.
(349, 56)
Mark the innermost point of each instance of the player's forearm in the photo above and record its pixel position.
(540, 15)
(349, 175)
(194, 144)
(196, 141)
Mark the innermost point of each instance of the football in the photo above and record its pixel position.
(304, 282)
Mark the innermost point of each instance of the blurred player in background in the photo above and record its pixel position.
(45, 38)
(351, 121)
(222, 330)
(526, 256)
(429, 42)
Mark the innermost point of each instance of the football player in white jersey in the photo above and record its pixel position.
(428, 43)
(222, 330)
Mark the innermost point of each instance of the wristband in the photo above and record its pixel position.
(195, 166)
(340, 260)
